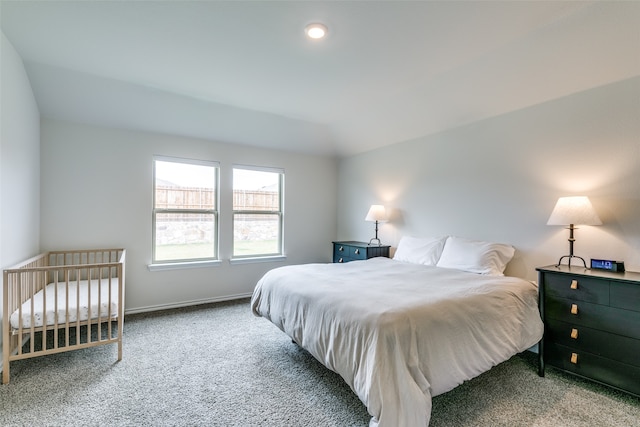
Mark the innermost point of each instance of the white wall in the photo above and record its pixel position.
(19, 162)
(499, 180)
(97, 191)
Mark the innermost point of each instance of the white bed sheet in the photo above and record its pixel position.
(400, 333)
(72, 311)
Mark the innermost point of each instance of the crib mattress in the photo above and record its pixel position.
(70, 308)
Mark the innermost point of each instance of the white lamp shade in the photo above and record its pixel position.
(574, 210)
(376, 213)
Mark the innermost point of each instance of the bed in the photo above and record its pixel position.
(400, 331)
(61, 301)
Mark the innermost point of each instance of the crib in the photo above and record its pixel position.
(61, 301)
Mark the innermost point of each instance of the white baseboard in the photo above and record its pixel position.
(184, 304)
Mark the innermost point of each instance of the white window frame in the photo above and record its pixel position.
(236, 259)
(192, 262)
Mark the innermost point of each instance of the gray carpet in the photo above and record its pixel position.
(218, 365)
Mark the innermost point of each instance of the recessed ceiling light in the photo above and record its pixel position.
(316, 31)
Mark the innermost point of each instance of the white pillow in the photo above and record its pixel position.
(475, 256)
(425, 250)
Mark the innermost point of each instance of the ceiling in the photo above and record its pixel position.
(244, 72)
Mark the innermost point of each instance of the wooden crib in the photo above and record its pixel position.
(61, 301)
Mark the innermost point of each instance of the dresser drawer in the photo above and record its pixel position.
(577, 288)
(600, 317)
(625, 295)
(601, 369)
(584, 339)
(356, 253)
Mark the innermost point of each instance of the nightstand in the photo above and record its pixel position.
(353, 251)
(591, 324)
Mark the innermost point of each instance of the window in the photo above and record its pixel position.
(185, 210)
(257, 211)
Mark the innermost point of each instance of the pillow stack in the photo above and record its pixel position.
(474, 256)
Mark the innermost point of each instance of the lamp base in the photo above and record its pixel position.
(571, 256)
(375, 238)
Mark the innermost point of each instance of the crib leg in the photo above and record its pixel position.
(5, 372)
(5, 358)
(120, 333)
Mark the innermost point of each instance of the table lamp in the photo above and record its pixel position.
(573, 211)
(376, 214)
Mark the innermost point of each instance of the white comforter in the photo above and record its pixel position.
(400, 333)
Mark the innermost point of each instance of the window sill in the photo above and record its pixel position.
(257, 259)
(183, 265)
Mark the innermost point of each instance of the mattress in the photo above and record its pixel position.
(93, 299)
(400, 333)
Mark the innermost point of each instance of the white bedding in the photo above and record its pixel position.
(71, 310)
(400, 333)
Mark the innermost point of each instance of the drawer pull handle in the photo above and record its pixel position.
(341, 248)
(357, 251)
(574, 284)
(574, 333)
(574, 308)
(340, 260)
(574, 358)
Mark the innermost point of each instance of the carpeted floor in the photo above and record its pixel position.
(218, 365)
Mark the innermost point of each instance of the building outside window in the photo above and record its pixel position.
(185, 210)
(257, 211)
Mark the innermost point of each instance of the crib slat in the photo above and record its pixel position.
(56, 326)
(109, 313)
(20, 323)
(19, 293)
(32, 323)
(68, 302)
(89, 313)
(99, 314)
(43, 335)
(78, 321)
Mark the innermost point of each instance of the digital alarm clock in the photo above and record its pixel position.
(605, 264)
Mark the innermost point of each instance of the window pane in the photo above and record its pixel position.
(184, 186)
(256, 234)
(256, 190)
(184, 236)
